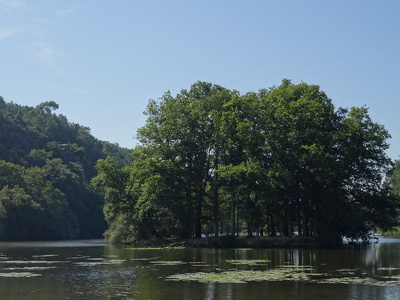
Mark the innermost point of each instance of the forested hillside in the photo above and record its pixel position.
(281, 161)
(46, 164)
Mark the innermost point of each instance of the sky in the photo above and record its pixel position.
(102, 60)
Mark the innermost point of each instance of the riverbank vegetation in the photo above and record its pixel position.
(281, 161)
(212, 165)
(46, 164)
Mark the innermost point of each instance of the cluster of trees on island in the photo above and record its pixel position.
(281, 161)
(46, 164)
(211, 162)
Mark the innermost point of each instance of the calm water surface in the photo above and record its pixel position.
(94, 270)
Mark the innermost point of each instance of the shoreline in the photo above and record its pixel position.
(253, 242)
(231, 242)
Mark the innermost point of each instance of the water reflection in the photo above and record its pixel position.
(95, 270)
(54, 244)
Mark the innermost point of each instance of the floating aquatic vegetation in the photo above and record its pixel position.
(145, 258)
(35, 262)
(347, 270)
(198, 264)
(396, 277)
(78, 257)
(235, 276)
(248, 262)
(97, 263)
(284, 273)
(114, 261)
(153, 248)
(360, 280)
(44, 255)
(19, 274)
(167, 262)
(388, 269)
(300, 267)
(224, 277)
(243, 276)
(89, 264)
(28, 268)
(157, 248)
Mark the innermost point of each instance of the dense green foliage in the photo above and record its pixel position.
(393, 178)
(393, 183)
(278, 161)
(46, 164)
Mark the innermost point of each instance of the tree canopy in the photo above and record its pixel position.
(46, 164)
(281, 160)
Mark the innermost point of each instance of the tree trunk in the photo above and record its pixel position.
(199, 202)
(216, 211)
(249, 230)
(237, 222)
(272, 225)
(233, 226)
(285, 218)
(304, 220)
(299, 225)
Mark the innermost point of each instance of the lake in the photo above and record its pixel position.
(91, 269)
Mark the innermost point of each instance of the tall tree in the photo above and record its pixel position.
(211, 159)
(184, 130)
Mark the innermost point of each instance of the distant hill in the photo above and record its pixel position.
(46, 163)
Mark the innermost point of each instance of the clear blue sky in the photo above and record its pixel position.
(101, 61)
